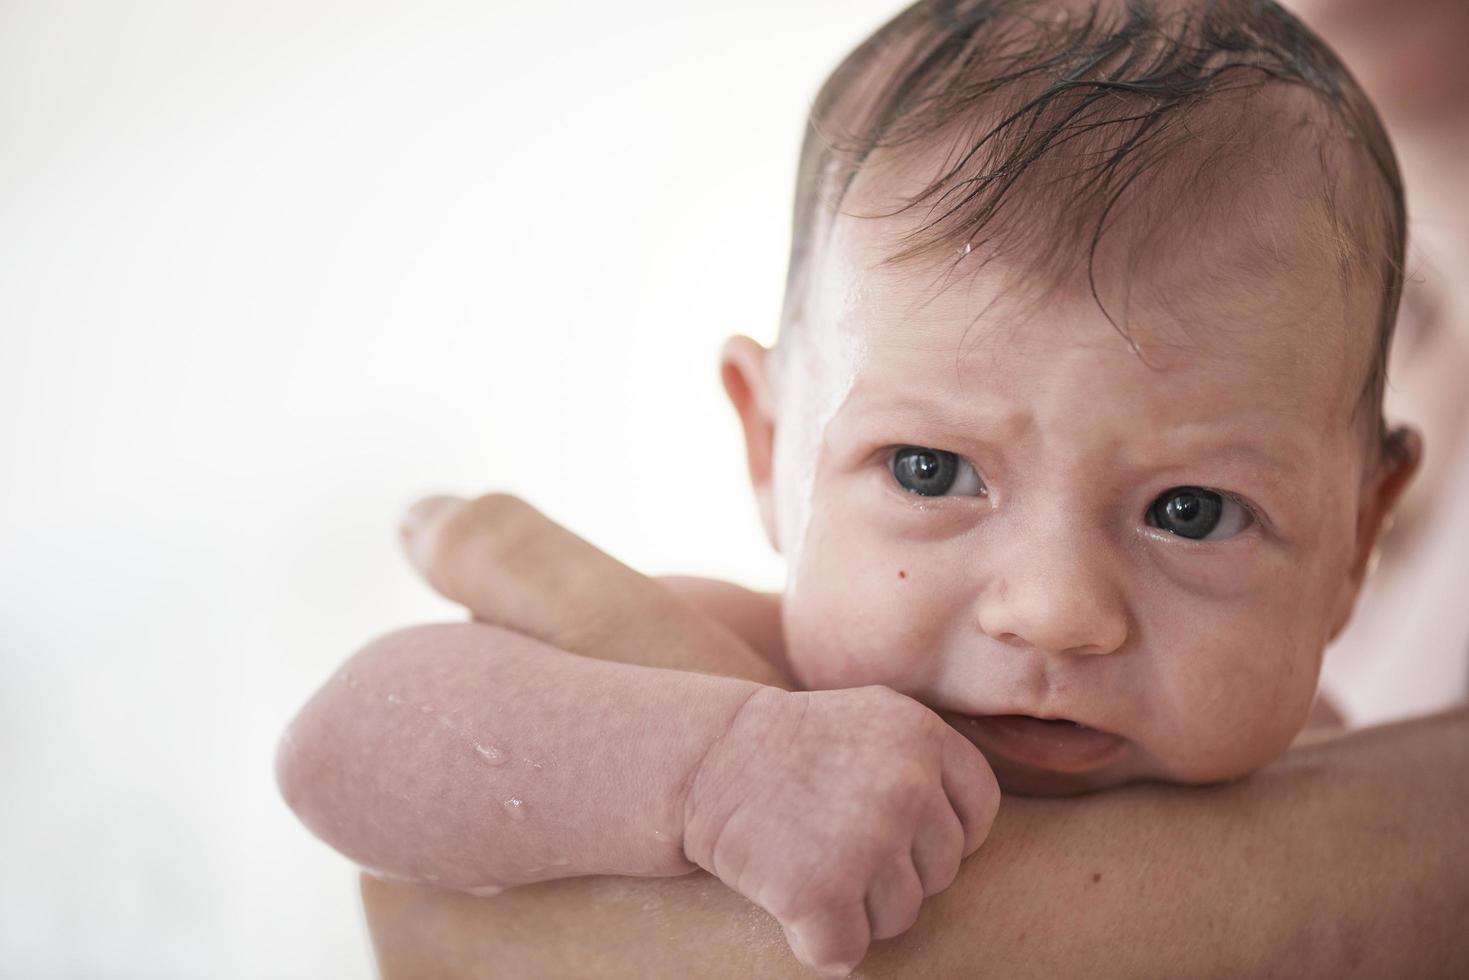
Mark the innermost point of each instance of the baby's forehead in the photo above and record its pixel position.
(1256, 267)
(1213, 293)
(978, 344)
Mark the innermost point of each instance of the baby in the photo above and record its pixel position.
(1072, 442)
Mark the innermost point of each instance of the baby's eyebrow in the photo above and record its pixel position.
(996, 424)
(1284, 464)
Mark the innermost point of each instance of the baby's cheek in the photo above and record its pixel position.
(1236, 710)
(836, 645)
(846, 628)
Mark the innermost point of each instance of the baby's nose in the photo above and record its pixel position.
(1055, 602)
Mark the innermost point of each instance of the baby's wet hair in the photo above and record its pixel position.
(1072, 131)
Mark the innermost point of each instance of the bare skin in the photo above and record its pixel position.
(1308, 869)
(1312, 867)
(474, 757)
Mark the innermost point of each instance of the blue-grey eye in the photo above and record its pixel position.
(935, 473)
(1199, 514)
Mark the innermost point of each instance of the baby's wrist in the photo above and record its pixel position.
(711, 789)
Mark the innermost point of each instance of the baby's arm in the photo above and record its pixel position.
(472, 757)
(837, 811)
(382, 784)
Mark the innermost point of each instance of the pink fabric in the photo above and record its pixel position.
(1407, 650)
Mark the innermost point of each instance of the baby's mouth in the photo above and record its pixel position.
(1055, 745)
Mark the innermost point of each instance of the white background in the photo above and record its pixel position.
(268, 271)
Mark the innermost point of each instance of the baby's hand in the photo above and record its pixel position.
(838, 812)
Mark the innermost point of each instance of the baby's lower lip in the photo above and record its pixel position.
(1053, 745)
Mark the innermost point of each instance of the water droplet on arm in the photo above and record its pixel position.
(514, 808)
(490, 754)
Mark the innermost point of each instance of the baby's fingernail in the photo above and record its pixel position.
(839, 971)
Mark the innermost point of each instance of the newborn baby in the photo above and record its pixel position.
(1073, 444)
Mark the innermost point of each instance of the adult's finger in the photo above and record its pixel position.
(512, 566)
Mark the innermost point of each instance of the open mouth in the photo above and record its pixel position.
(1051, 744)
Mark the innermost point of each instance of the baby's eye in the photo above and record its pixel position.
(935, 473)
(1193, 512)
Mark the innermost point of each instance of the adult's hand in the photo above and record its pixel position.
(1343, 859)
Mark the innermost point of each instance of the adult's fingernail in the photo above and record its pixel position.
(418, 526)
(425, 512)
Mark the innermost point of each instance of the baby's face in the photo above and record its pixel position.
(1004, 511)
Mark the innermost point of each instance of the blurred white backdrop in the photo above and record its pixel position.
(268, 271)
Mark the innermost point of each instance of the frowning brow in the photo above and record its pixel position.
(1166, 446)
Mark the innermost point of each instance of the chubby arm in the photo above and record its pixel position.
(475, 756)
(425, 755)
(472, 757)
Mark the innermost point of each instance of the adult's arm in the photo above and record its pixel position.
(1342, 859)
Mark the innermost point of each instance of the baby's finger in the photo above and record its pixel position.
(893, 899)
(832, 943)
(938, 847)
(971, 787)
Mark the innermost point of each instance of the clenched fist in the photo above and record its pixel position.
(838, 812)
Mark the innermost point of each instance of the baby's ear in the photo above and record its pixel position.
(1400, 458)
(744, 366)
